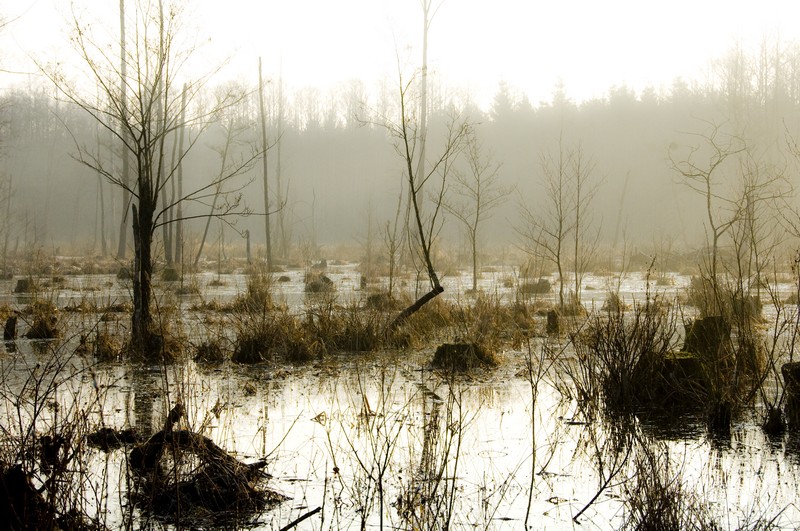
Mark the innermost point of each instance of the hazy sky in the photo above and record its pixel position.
(474, 44)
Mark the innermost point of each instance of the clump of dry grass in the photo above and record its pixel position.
(163, 347)
(258, 297)
(540, 287)
(492, 323)
(463, 357)
(431, 320)
(276, 334)
(210, 352)
(349, 328)
(100, 344)
(43, 317)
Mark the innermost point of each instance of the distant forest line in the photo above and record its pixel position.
(341, 177)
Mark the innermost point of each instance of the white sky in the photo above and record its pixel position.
(590, 45)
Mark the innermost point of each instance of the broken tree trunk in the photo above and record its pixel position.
(215, 482)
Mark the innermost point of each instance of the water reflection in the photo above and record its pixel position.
(380, 439)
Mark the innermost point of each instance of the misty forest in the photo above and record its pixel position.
(386, 305)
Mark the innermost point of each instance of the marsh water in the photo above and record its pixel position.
(381, 440)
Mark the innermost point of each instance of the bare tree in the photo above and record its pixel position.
(148, 109)
(229, 163)
(756, 235)
(585, 231)
(122, 241)
(427, 19)
(282, 195)
(177, 183)
(393, 240)
(100, 209)
(706, 176)
(565, 223)
(6, 195)
(545, 232)
(479, 192)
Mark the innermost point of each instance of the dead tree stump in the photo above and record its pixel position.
(24, 285)
(553, 324)
(177, 467)
(10, 329)
(791, 383)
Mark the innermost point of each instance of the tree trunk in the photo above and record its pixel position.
(102, 207)
(161, 121)
(474, 238)
(142, 336)
(228, 140)
(7, 235)
(411, 310)
(126, 179)
(179, 207)
(264, 159)
(282, 198)
(423, 111)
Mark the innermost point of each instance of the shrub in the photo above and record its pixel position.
(624, 352)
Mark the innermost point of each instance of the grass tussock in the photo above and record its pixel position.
(210, 352)
(258, 297)
(276, 335)
(620, 354)
(461, 357)
(492, 323)
(161, 346)
(346, 329)
(100, 344)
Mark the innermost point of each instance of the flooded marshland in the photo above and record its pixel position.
(382, 439)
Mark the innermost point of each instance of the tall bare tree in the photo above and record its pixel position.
(148, 109)
(265, 166)
(177, 183)
(282, 195)
(585, 231)
(122, 241)
(564, 223)
(228, 162)
(545, 231)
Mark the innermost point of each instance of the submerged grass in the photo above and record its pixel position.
(656, 497)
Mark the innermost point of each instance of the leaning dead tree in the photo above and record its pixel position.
(424, 212)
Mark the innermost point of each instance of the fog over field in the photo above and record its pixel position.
(634, 91)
